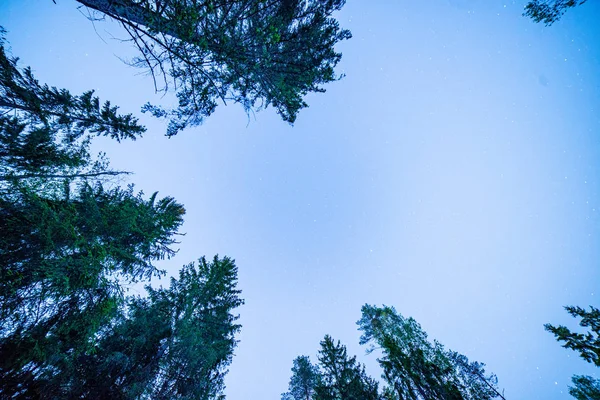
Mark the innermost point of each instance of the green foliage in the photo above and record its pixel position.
(57, 109)
(415, 368)
(72, 243)
(342, 378)
(65, 241)
(62, 262)
(585, 388)
(202, 346)
(549, 11)
(303, 381)
(45, 132)
(586, 344)
(253, 52)
(67, 245)
(336, 377)
(174, 344)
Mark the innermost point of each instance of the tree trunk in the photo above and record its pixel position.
(123, 10)
(60, 176)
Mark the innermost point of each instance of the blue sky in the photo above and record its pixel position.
(453, 173)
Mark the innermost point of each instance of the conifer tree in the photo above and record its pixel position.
(257, 53)
(174, 344)
(342, 377)
(67, 243)
(585, 388)
(586, 344)
(415, 368)
(303, 381)
(336, 376)
(549, 11)
(45, 132)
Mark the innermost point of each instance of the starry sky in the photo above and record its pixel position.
(453, 174)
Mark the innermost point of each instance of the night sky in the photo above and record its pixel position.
(453, 174)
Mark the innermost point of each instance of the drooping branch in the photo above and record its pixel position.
(549, 11)
(63, 176)
(115, 125)
(265, 52)
(136, 13)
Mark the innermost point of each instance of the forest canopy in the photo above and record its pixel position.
(257, 53)
(413, 367)
(72, 240)
(76, 235)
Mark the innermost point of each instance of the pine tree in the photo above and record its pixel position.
(336, 377)
(174, 344)
(415, 368)
(585, 388)
(342, 377)
(45, 132)
(203, 342)
(63, 261)
(586, 344)
(549, 11)
(303, 381)
(67, 243)
(253, 52)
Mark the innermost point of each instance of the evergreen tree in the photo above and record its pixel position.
(303, 381)
(336, 377)
(586, 344)
(174, 344)
(203, 342)
(253, 52)
(549, 11)
(45, 132)
(416, 369)
(66, 241)
(63, 261)
(585, 388)
(342, 378)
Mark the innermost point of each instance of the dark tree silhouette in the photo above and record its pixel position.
(253, 52)
(549, 11)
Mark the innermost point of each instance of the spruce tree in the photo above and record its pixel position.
(258, 53)
(587, 344)
(304, 378)
(342, 377)
(176, 343)
(415, 368)
(67, 242)
(549, 11)
(45, 132)
(585, 388)
(70, 241)
(337, 376)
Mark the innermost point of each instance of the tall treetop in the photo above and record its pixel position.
(549, 11)
(253, 52)
(587, 344)
(45, 132)
(418, 369)
(42, 105)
